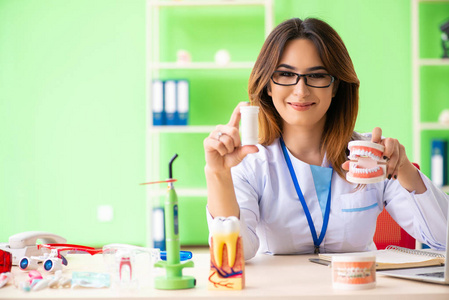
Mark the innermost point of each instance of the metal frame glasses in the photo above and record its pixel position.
(316, 80)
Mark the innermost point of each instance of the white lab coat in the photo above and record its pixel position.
(272, 219)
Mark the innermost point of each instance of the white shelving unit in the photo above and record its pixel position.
(154, 66)
(201, 65)
(417, 63)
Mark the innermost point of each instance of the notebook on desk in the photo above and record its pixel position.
(394, 257)
(429, 274)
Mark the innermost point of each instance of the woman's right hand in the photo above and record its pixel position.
(223, 146)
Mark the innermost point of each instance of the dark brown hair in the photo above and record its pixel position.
(342, 113)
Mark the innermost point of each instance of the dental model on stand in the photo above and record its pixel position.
(366, 162)
(227, 264)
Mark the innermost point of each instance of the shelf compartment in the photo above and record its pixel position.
(208, 3)
(200, 65)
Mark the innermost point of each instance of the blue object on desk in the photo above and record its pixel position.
(185, 255)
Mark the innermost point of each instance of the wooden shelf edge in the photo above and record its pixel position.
(181, 129)
(433, 126)
(207, 3)
(434, 61)
(200, 65)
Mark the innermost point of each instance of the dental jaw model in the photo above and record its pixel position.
(227, 264)
(366, 163)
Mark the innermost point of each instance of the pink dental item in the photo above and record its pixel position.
(126, 263)
(366, 162)
(4, 278)
(35, 277)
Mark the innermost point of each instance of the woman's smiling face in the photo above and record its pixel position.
(301, 105)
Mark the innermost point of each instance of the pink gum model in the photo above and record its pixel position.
(366, 163)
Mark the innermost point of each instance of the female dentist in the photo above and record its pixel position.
(290, 194)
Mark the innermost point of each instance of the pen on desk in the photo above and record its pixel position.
(321, 261)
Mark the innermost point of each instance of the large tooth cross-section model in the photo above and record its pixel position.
(226, 250)
(366, 162)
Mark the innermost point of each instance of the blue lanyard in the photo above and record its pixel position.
(316, 241)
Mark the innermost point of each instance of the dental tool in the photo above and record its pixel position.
(366, 163)
(173, 278)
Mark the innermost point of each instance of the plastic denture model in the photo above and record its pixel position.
(366, 163)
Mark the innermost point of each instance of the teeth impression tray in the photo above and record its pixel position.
(366, 162)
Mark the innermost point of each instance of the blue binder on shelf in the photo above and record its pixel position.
(170, 102)
(158, 227)
(158, 102)
(438, 166)
(182, 103)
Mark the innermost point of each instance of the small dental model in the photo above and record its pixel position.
(227, 266)
(366, 162)
(120, 260)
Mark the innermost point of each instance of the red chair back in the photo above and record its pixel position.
(388, 232)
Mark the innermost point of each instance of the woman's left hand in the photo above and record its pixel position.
(394, 153)
(398, 165)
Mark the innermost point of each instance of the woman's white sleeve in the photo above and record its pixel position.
(424, 216)
(249, 214)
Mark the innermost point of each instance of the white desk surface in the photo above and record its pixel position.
(267, 277)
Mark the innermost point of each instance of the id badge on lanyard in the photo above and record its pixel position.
(316, 240)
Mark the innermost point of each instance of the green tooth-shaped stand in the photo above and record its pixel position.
(173, 279)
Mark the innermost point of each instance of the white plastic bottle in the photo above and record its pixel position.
(249, 125)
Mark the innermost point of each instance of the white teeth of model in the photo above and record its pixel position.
(365, 171)
(225, 231)
(359, 152)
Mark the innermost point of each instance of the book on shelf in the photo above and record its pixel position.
(158, 103)
(170, 102)
(395, 257)
(182, 103)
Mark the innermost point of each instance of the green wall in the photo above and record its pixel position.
(72, 102)
(72, 118)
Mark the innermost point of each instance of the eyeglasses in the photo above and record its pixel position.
(54, 260)
(316, 80)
